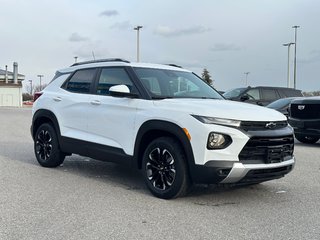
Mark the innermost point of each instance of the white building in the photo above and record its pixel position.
(11, 87)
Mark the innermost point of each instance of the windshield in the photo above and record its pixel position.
(233, 93)
(281, 103)
(162, 83)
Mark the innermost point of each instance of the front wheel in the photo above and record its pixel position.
(165, 168)
(306, 139)
(46, 147)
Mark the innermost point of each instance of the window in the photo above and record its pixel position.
(114, 76)
(151, 84)
(269, 94)
(81, 81)
(253, 94)
(163, 83)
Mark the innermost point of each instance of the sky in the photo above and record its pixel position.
(228, 37)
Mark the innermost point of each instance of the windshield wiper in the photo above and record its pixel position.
(161, 97)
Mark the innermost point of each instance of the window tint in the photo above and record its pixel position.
(114, 76)
(81, 81)
(269, 94)
(253, 94)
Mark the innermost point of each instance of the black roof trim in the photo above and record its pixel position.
(174, 65)
(101, 60)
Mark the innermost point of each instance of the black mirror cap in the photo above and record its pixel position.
(123, 94)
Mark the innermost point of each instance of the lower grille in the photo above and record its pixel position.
(261, 175)
(267, 150)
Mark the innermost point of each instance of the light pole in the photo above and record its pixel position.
(288, 71)
(137, 28)
(30, 81)
(40, 76)
(246, 73)
(295, 57)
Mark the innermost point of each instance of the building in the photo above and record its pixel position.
(11, 87)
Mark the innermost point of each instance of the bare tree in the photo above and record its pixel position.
(38, 88)
(310, 94)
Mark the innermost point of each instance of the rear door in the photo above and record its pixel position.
(269, 95)
(72, 101)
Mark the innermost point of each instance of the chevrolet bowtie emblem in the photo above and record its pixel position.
(271, 125)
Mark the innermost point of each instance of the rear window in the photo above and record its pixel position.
(81, 81)
(292, 93)
(270, 94)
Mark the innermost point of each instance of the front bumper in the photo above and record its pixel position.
(308, 127)
(242, 173)
(237, 172)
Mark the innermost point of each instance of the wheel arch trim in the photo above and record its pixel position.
(168, 128)
(45, 114)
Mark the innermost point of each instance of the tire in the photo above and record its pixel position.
(46, 147)
(306, 139)
(165, 169)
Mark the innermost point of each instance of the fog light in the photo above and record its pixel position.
(218, 141)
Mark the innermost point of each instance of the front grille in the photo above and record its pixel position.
(305, 111)
(260, 126)
(260, 175)
(267, 150)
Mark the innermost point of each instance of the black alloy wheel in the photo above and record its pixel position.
(46, 147)
(160, 168)
(165, 168)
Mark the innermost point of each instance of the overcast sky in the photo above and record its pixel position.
(228, 37)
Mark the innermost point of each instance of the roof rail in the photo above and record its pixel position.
(101, 60)
(174, 65)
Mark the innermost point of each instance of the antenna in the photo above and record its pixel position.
(94, 58)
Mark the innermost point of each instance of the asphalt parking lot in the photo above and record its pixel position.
(87, 199)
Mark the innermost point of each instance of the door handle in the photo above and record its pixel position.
(95, 102)
(57, 99)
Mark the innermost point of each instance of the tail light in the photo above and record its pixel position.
(36, 95)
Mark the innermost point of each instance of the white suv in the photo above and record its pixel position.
(162, 119)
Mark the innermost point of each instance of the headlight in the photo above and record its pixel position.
(219, 121)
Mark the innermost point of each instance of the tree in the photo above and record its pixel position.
(310, 94)
(206, 76)
(39, 88)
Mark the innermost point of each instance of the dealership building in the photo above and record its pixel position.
(11, 87)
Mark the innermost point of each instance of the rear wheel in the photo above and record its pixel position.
(165, 169)
(46, 147)
(306, 139)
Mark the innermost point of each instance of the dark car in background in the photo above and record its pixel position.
(282, 105)
(304, 117)
(261, 95)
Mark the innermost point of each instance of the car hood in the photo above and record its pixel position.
(307, 100)
(221, 109)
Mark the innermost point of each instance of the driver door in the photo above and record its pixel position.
(111, 119)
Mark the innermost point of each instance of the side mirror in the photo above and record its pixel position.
(244, 98)
(121, 91)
